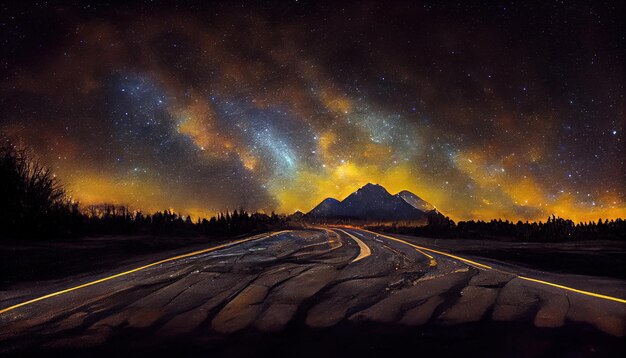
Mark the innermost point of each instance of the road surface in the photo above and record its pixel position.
(312, 280)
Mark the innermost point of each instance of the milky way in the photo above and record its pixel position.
(513, 110)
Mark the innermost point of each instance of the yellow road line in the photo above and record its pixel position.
(257, 237)
(330, 242)
(573, 289)
(432, 262)
(420, 248)
(588, 293)
(395, 251)
(364, 250)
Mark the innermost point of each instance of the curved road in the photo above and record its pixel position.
(306, 279)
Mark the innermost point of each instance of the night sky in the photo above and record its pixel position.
(505, 110)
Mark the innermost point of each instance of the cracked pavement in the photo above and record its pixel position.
(316, 279)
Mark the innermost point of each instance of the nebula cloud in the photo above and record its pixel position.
(479, 111)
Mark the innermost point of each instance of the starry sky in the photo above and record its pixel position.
(508, 110)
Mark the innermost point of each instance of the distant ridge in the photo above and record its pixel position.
(328, 207)
(373, 202)
(415, 201)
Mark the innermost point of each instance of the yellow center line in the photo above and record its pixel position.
(395, 251)
(573, 289)
(420, 248)
(364, 250)
(257, 237)
(588, 293)
(432, 262)
(330, 242)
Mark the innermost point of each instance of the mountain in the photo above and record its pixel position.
(374, 202)
(415, 201)
(329, 207)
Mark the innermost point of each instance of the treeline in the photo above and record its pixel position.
(34, 204)
(118, 220)
(554, 229)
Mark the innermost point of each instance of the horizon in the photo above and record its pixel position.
(231, 210)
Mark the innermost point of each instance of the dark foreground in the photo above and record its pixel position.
(318, 292)
(468, 340)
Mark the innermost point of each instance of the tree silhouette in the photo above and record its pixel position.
(32, 200)
(554, 229)
(34, 204)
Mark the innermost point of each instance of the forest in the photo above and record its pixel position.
(35, 204)
(553, 230)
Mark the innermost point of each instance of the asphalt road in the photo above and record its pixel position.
(307, 281)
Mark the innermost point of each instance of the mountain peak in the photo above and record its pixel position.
(369, 187)
(374, 202)
(328, 207)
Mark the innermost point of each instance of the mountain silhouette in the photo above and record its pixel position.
(374, 202)
(415, 201)
(329, 207)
